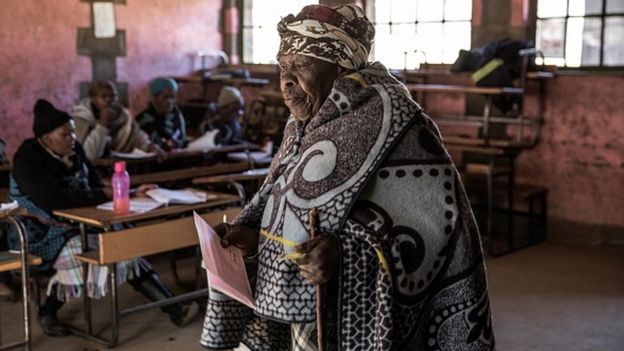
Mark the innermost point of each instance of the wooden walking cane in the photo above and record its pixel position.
(312, 221)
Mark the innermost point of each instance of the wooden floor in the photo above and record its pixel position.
(547, 297)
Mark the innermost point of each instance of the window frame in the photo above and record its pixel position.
(602, 15)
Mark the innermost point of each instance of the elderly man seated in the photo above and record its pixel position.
(398, 257)
(50, 172)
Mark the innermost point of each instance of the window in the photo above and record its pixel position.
(260, 18)
(581, 33)
(430, 31)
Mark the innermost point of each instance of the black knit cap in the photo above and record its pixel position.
(48, 118)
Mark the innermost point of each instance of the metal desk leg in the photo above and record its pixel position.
(114, 306)
(510, 205)
(86, 301)
(25, 278)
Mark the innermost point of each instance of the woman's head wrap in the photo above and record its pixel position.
(230, 95)
(341, 35)
(48, 118)
(161, 84)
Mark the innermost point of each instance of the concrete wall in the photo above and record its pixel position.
(39, 59)
(581, 155)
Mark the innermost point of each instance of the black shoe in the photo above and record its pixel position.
(52, 326)
(181, 315)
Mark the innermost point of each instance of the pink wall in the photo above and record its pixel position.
(581, 155)
(39, 59)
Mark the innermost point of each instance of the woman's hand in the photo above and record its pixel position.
(238, 235)
(142, 190)
(161, 155)
(319, 261)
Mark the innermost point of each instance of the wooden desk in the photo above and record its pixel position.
(236, 81)
(235, 180)
(105, 219)
(14, 261)
(443, 88)
(254, 174)
(177, 155)
(188, 173)
(129, 243)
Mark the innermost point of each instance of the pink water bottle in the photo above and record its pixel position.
(121, 188)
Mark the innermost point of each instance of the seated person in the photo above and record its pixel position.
(104, 125)
(162, 120)
(230, 109)
(51, 172)
(6, 293)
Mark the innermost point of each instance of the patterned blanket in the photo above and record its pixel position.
(411, 270)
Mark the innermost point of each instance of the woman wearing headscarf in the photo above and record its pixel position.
(399, 259)
(104, 125)
(50, 172)
(162, 120)
(231, 106)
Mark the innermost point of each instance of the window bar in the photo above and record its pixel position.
(603, 18)
(565, 33)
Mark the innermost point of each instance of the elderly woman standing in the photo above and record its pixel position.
(103, 125)
(51, 172)
(400, 258)
(162, 120)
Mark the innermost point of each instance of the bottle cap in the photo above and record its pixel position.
(120, 166)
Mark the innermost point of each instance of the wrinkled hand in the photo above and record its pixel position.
(320, 259)
(142, 190)
(241, 236)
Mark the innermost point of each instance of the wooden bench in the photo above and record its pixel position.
(140, 241)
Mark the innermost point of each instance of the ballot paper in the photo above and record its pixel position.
(184, 196)
(135, 154)
(204, 142)
(225, 266)
(256, 156)
(9, 206)
(137, 205)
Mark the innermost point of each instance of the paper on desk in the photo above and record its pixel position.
(9, 206)
(184, 196)
(135, 154)
(204, 142)
(225, 266)
(137, 205)
(256, 156)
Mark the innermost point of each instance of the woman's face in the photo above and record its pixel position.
(61, 140)
(165, 101)
(305, 83)
(104, 97)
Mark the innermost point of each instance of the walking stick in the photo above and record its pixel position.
(312, 220)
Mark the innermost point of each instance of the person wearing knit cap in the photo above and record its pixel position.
(162, 120)
(51, 172)
(361, 236)
(227, 119)
(104, 125)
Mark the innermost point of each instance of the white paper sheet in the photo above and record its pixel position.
(184, 196)
(135, 154)
(137, 205)
(204, 142)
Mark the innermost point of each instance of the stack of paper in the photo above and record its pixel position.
(9, 206)
(135, 154)
(204, 142)
(256, 156)
(168, 196)
(225, 266)
(137, 205)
